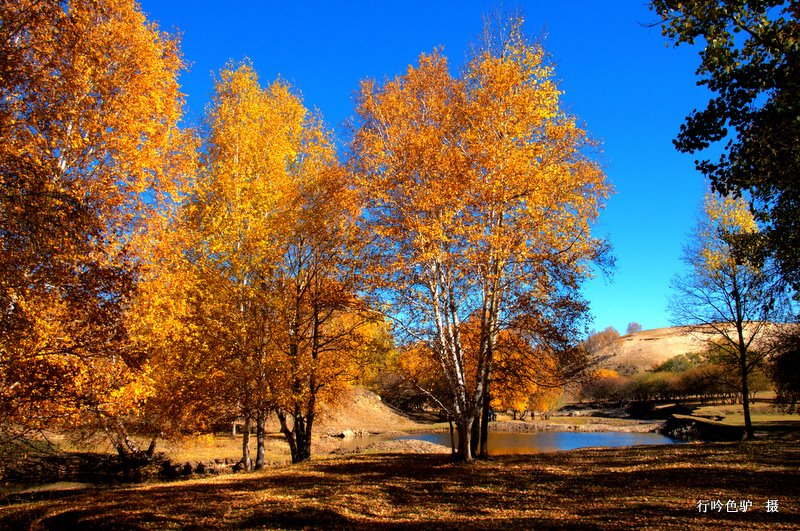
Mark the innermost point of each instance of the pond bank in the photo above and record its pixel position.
(406, 441)
(102, 468)
(692, 428)
(578, 423)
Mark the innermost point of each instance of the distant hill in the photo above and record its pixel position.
(644, 350)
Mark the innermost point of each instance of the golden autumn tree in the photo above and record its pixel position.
(232, 224)
(90, 103)
(322, 327)
(525, 378)
(728, 299)
(267, 230)
(176, 326)
(479, 195)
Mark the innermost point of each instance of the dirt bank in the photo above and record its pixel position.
(389, 446)
(594, 424)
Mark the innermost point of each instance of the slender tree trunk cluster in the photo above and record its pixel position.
(479, 194)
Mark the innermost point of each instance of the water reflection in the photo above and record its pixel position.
(501, 443)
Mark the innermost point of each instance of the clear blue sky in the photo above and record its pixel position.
(626, 86)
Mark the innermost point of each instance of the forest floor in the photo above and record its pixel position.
(697, 486)
(362, 477)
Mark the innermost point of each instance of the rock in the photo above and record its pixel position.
(697, 428)
(346, 434)
(168, 470)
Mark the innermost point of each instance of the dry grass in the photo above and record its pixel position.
(641, 487)
(205, 448)
(649, 348)
(765, 415)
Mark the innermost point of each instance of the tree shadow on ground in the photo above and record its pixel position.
(599, 488)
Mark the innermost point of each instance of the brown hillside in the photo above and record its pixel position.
(644, 350)
(360, 410)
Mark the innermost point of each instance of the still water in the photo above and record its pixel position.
(501, 443)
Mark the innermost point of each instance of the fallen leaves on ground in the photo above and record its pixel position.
(641, 487)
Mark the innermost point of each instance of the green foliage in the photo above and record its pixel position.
(633, 327)
(654, 386)
(751, 62)
(785, 372)
(679, 363)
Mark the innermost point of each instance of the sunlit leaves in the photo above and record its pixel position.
(480, 194)
(255, 310)
(204, 275)
(727, 296)
(88, 125)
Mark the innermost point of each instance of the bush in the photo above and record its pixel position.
(785, 372)
(633, 328)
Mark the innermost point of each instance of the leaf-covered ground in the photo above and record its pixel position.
(642, 487)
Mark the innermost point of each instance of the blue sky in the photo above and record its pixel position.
(627, 87)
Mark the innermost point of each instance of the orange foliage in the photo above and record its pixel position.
(262, 293)
(87, 126)
(606, 374)
(523, 378)
(480, 196)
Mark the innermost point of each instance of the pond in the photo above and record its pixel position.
(502, 443)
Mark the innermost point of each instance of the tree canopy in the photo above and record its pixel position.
(88, 131)
(750, 61)
(174, 279)
(480, 193)
(265, 268)
(729, 300)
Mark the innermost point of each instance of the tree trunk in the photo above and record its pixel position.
(452, 436)
(485, 422)
(464, 426)
(127, 449)
(302, 438)
(303, 445)
(490, 331)
(299, 437)
(287, 433)
(475, 435)
(247, 462)
(261, 425)
(748, 423)
(151, 449)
